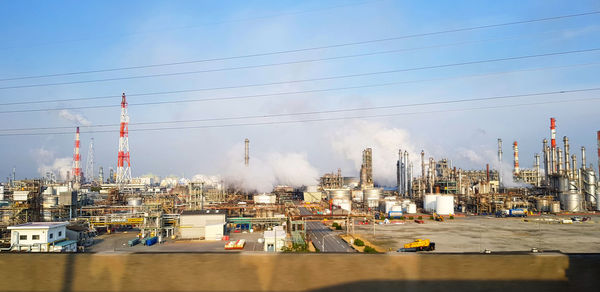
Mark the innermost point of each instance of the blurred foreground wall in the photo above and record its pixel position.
(293, 272)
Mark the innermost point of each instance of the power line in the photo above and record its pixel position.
(317, 120)
(288, 93)
(202, 24)
(302, 80)
(453, 101)
(309, 48)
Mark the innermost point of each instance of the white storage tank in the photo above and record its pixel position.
(555, 207)
(372, 196)
(134, 202)
(264, 199)
(411, 208)
(339, 194)
(444, 205)
(388, 204)
(357, 196)
(429, 202)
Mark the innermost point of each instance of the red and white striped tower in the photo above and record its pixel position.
(516, 151)
(553, 144)
(123, 163)
(76, 159)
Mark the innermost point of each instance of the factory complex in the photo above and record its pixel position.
(336, 214)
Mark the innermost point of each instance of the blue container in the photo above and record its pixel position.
(152, 240)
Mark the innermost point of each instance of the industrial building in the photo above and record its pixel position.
(41, 237)
(202, 224)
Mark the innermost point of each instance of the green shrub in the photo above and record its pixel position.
(430, 217)
(335, 225)
(420, 217)
(410, 217)
(401, 217)
(451, 217)
(369, 249)
(359, 242)
(338, 227)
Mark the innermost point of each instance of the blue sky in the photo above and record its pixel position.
(43, 37)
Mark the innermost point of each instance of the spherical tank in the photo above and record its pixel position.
(444, 205)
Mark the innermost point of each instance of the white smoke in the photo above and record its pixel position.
(266, 171)
(350, 140)
(48, 163)
(78, 119)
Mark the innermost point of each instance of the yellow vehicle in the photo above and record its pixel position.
(419, 245)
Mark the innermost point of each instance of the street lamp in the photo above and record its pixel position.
(323, 240)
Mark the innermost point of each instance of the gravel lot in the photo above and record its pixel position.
(474, 234)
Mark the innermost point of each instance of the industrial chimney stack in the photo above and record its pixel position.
(553, 165)
(76, 159)
(516, 153)
(246, 152)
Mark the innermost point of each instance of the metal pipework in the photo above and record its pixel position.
(567, 161)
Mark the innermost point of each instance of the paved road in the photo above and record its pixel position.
(323, 238)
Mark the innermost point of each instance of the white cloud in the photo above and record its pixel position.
(78, 119)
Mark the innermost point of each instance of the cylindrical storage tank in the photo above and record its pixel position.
(555, 207)
(345, 205)
(543, 205)
(563, 184)
(589, 186)
(357, 196)
(444, 205)
(340, 194)
(372, 194)
(388, 204)
(572, 202)
(134, 202)
(50, 201)
(411, 208)
(429, 202)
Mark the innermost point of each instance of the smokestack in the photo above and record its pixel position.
(516, 158)
(546, 158)
(500, 162)
(574, 160)
(559, 154)
(583, 165)
(553, 144)
(76, 159)
(405, 174)
(423, 171)
(537, 169)
(567, 155)
(246, 152)
(399, 172)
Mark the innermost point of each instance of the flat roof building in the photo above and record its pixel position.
(41, 237)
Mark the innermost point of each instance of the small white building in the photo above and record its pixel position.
(274, 239)
(41, 237)
(202, 224)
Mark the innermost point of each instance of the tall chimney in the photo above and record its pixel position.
(546, 159)
(500, 162)
(583, 165)
(399, 172)
(574, 160)
(246, 152)
(567, 155)
(559, 164)
(516, 158)
(76, 159)
(423, 172)
(405, 174)
(553, 144)
(537, 170)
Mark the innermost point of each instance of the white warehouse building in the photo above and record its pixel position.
(202, 224)
(41, 237)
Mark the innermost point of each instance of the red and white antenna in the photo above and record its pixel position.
(516, 158)
(76, 159)
(553, 144)
(124, 171)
